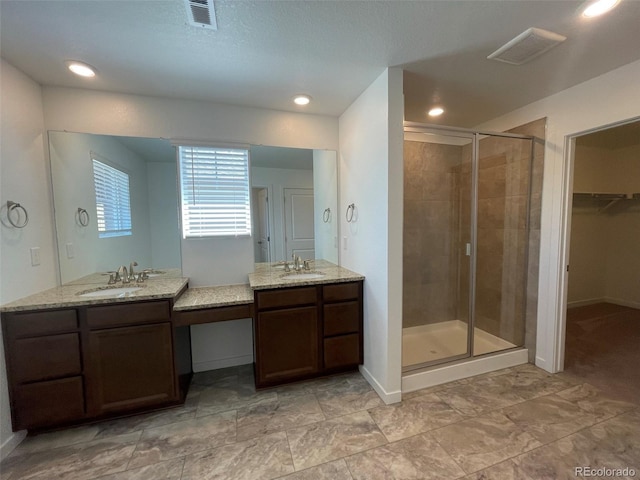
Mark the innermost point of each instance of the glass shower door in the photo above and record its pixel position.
(438, 206)
(502, 239)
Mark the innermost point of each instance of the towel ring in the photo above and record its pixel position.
(326, 215)
(83, 217)
(350, 210)
(21, 211)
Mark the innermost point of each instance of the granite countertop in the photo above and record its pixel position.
(271, 275)
(67, 295)
(211, 297)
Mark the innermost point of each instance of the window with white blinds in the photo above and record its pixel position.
(215, 191)
(113, 205)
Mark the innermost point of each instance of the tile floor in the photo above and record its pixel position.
(518, 423)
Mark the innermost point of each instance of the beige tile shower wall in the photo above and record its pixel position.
(431, 216)
(503, 186)
(537, 129)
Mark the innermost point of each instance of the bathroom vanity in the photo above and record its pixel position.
(72, 358)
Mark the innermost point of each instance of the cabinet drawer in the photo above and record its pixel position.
(48, 403)
(340, 318)
(47, 357)
(342, 351)
(41, 323)
(341, 291)
(127, 314)
(286, 297)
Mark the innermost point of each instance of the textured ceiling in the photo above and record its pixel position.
(265, 51)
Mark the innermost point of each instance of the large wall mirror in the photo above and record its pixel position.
(294, 203)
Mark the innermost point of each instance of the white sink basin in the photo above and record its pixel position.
(303, 276)
(112, 292)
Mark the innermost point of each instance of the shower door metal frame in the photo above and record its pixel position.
(474, 136)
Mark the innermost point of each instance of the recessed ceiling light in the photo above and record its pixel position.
(80, 68)
(302, 99)
(598, 7)
(436, 111)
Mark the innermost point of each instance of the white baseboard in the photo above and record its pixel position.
(543, 364)
(468, 368)
(615, 301)
(623, 303)
(10, 443)
(387, 398)
(584, 303)
(222, 363)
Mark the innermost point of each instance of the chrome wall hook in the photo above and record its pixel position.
(350, 212)
(82, 217)
(17, 215)
(326, 215)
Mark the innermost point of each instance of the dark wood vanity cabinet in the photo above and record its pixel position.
(70, 365)
(130, 357)
(303, 332)
(44, 367)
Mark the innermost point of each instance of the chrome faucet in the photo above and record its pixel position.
(121, 274)
(132, 275)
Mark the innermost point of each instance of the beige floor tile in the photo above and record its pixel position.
(169, 470)
(594, 401)
(418, 457)
(480, 442)
(410, 417)
(346, 394)
(507, 470)
(278, 414)
(80, 461)
(183, 438)
(336, 470)
(226, 397)
(60, 438)
(480, 396)
(259, 458)
(549, 418)
(332, 439)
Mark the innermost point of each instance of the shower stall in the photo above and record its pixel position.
(466, 220)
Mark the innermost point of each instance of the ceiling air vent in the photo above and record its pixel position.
(527, 46)
(201, 13)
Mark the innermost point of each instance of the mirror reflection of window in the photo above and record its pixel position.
(113, 199)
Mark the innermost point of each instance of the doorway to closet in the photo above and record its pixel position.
(603, 299)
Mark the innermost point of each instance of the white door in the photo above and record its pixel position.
(298, 223)
(262, 234)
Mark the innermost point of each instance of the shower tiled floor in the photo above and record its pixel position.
(518, 423)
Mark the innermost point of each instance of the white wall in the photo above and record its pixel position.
(163, 214)
(276, 180)
(604, 252)
(370, 158)
(73, 186)
(24, 179)
(604, 100)
(205, 261)
(325, 188)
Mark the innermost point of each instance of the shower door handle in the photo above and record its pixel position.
(468, 249)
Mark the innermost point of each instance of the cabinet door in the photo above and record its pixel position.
(286, 344)
(131, 367)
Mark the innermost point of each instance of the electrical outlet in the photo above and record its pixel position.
(35, 256)
(71, 252)
(344, 243)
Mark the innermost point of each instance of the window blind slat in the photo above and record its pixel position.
(113, 205)
(215, 191)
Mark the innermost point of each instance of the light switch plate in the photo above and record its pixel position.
(71, 252)
(35, 256)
